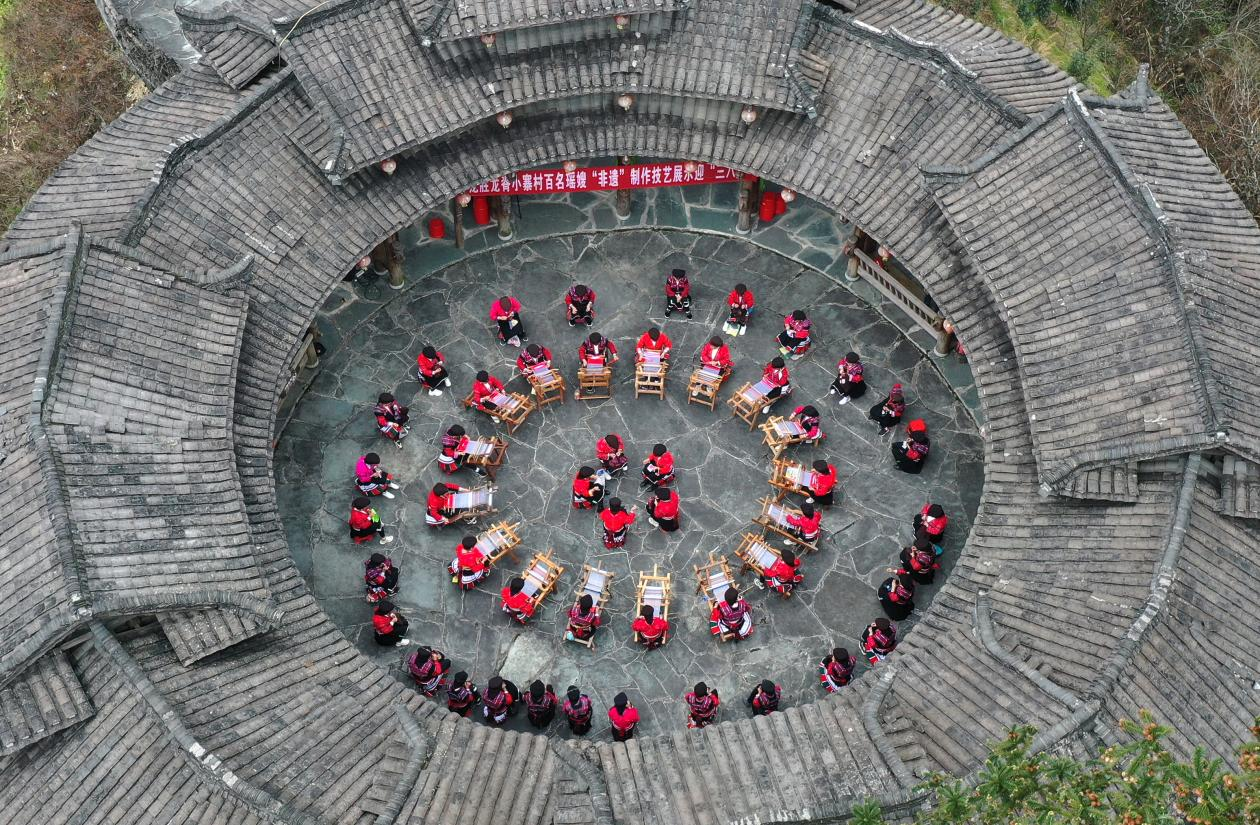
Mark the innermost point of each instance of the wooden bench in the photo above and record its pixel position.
(499, 540)
(747, 402)
(471, 505)
(704, 386)
(513, 409)
(780, 433)
(756, 554)
(649, 375)
(654, 590)
(773, 519)
(790, 477)
(597, 584)
(713, 580)
(549, 386)
(594, 383)
(541, 576)
(486, 453)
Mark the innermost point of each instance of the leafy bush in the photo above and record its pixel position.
(1081, 65)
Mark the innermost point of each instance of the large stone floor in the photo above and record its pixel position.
(723, 467)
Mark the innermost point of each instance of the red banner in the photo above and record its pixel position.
(602, 178)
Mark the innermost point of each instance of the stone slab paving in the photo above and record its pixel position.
(722, 466)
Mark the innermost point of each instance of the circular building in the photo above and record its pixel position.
(164, 657)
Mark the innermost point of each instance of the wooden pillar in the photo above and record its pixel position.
(395, 261)
(622, 204)
(852, 244)
(743, 221)
(457, 221)
(310, 355)
(501, 207)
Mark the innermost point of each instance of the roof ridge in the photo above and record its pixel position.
(232, 14)
(1165, 234)
(951, 171)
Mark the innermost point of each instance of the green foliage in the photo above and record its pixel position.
(1033, 10)
(1081, 65)
(1138, 783)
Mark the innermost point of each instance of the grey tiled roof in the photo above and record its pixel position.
(470, 18)
(1049, 614)
(40, 702)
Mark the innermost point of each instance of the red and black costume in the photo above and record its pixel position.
(717, 358)
(811, 422)
(496, 702)
(702, 709)
(582, 625)
(525, 362)
(732, 618)
(663, 508)
(578, 710)
(483, 391)
(453, 443)
(616, 527)
(778, 379)
(850, 381)
(794, 340)
(428, 668)
(836, 671)
(782, 576)
(438, 510)
(918, 561)
(896, 594)
(380, 576)
(887, 413)
(611, 452)
(931, 521)
(391, 418)
(365, 524)
(461, 696)
(741, 307)
(517, 605)
(764, 700)
(658, 470)
(677, 293)
(623, 720)
(508, 317)
(660, 344)
(587, 490)
(822, 489)
(808, 527)
(651, 634)
(597, 355)
(432, 371)
(468, 567)
(579, 305)
(540, 705)
(911, 453)
(879, 640)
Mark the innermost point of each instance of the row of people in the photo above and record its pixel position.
(918, 562)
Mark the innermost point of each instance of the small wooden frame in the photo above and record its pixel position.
(773, 519)
(513, 410)
(781, 433)
(479, 502)
(704, 386)
(499, 540)
(756, 554)
(541, 576)
(594, 383)
(488, 454)
(649, 375)
(714, 579)
(747, 403)
(654, 590)
(598, 585)
(549, 386)
(790, 477)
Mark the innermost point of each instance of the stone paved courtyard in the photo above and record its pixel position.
(723, 468)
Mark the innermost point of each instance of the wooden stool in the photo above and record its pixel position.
(486, 453)
(703, 387)
(594, 383)
(649, 376)
(781, 433)
(597, 584)
(746, 403)
(549, 387)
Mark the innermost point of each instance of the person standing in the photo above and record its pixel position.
(702, 705)
(578, 711)
(623, 716)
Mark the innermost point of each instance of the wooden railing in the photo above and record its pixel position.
(895, 291)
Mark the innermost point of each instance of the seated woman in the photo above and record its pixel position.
(588, 488)
(371, 478)
(702, 705)
(918, 561)
(879, 640)
(764, 700)
(822, 489)
(716, 355)
(583, 619)
(515, 601)
(506, 312)
(836, 669)
(365, 522)
(794, 340)
(623, 716)
(597, 351)
(381, 577)
(540, 704)
(438, 511)
(431, 370)
(498, 701)
(741, 303)
(391, 418)
(617, 521)
(579, 305)
(469, 566)
(533, 356)
(677, 292)
(810, 421)
(611, 452)
(653, 341)
(887, 413)
(776, 375)
(462, 695)
(807, 526)
(658, 468)
(653, 631)
(484, 388)
(452, 457)
(388, 625)
(849, 381)
(663, 509)
(428, 669)
(732, 615)
(896, 594)
(784, 575)
(578, 710)
(911, 453)
(931, 521)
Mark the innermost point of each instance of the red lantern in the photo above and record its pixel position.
(481, 210)
(437, 228)
(768, 209)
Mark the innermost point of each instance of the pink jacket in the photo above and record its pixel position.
(497, 309)
(363, 471)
